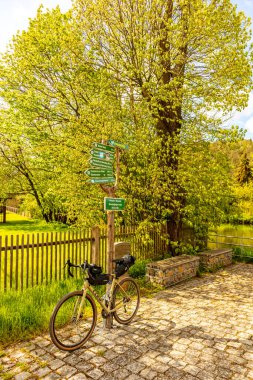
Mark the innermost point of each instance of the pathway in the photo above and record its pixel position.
(201, 329)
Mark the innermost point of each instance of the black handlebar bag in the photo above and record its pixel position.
(96, 277)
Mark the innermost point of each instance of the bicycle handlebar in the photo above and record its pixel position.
(83, 266)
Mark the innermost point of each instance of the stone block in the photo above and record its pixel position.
(215, 259)
(173, 270)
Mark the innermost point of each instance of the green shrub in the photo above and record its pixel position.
(138, 270)
(243, 254)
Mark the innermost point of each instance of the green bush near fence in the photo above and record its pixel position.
(138, 270)
(243, 254)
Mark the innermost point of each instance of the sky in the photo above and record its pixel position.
(15, 14)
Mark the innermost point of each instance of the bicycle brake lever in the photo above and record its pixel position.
(68, 264)
(69, 273)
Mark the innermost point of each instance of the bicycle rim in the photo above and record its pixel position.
(126, 297)
(71, 323)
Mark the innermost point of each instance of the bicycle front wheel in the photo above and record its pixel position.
(126, 300)
(73, 321)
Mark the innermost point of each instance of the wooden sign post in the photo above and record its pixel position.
(101, 173)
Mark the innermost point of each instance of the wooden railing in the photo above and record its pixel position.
(30, 260)
(16, 210)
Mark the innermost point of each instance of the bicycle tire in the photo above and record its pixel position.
(65, 332)
(127, 292)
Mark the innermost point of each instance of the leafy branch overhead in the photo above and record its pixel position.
(158, 75)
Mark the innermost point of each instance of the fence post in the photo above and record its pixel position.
(95, 245)
(4, 214)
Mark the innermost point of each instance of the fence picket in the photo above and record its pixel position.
(60, 254)
(27, 261)
(22, 263)
(32, 252)
(16, 267)
(11, 261)
(0, 261)
(55, 257)
(51, 256)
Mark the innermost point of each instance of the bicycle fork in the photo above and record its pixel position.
(79, 306)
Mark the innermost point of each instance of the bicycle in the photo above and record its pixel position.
(75, 315)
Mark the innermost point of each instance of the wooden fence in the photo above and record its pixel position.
(16, 210)
(30, 260)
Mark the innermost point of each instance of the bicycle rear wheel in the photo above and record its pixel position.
(126, 298)
(68, 331)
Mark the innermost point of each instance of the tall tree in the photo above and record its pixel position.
(56, 104)
(186, 60)
(244, 173)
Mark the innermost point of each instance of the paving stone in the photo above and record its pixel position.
(79, 376)
(41, 372)
(22, 376)
(51, 376)
(84, 366)
(95, 374)
(57, 363)
(135, 367)
(98, 361)
(121, 375)
(66, 371)
(148, 374)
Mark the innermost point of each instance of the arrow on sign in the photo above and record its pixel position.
(107, 156)
(104, 147)
(101, 163)
(118, 144)
(102, 180)
(99, 173)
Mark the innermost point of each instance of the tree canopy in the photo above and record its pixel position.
(158, 75)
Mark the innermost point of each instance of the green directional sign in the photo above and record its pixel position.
(102, 180)
(118, 144)
(101, 163)
(98, 173)
(114, 204)
(104, 147)
(107, 156)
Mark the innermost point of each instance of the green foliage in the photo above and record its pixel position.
(244, 173)
(23, 314)
(138, 270)
(243, 254)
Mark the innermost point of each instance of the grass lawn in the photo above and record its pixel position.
(18, 225)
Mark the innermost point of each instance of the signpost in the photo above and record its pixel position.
(104, 147)
(114, 204)
(118, 144)
(102, 180)
(100, 163)
(95, 153)
(101, 172)
(97, 173)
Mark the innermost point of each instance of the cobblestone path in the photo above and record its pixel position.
(201, 329)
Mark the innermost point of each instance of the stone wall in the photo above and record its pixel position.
(176, 269)
(215, 259)
(173, 270)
